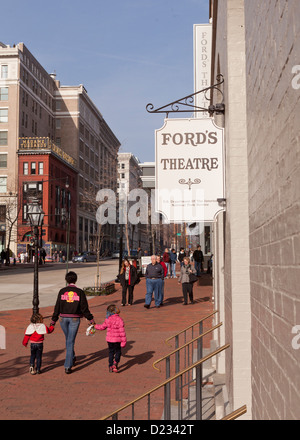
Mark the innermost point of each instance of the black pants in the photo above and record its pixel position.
(36, 351)
(114, 353)
(187, 289)
(124, 293)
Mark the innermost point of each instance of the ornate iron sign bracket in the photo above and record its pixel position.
(186, 104)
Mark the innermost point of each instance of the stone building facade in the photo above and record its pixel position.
(33, 104)
(257, 240)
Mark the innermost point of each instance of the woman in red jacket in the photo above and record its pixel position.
(128, 278)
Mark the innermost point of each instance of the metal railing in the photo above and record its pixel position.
(188, 353)
(167, 357)
(235, 414)
(190, 327)
(167, 393)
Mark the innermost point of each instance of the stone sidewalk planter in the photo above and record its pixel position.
(105, 289)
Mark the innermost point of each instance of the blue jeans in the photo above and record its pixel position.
(198, 268)
(36, 351)
(173, 269)
(70, 328)
(114, 353)
(168, 269)
(153, 286)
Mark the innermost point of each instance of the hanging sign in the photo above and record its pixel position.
(189, 170)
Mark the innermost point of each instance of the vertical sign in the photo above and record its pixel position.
(202, 65)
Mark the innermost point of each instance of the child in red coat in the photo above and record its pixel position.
(115, 336)
(35, 334)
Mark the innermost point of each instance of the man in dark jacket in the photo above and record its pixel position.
(154, 278)
(198, 259)
(71, 305)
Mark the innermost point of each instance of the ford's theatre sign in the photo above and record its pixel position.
(189, 160)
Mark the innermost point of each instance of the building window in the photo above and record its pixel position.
(3, 115)
(58, 123)
(3, 184)
(41, 168)
(3, 93)
(33, 168)
(4, 71)
(25, 168)
(24, 213)
(123, 165)
(3, 160)
(3, 138)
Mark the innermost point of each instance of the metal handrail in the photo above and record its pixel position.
(235, 414)
(190, 326)
(185, 345)
(167, 381)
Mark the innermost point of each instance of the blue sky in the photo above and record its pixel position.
(127, 53)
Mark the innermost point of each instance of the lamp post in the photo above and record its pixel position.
(35, 215)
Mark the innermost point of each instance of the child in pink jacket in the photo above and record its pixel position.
(115, 336)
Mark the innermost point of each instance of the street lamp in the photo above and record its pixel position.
(35, 215)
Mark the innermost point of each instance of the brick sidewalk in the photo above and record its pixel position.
(90, 392)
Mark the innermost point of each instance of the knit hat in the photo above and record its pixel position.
(112, 310)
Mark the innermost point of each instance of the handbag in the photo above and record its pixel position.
(192, 278)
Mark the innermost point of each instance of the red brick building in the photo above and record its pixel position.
(48, 174)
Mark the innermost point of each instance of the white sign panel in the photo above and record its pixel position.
(202, 65)
(189, 170)
(144, 262)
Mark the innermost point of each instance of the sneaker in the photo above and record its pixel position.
(115, 368)
(31, 370)
(146, 306)
(110, 369)
(68, 370)
(38, 372)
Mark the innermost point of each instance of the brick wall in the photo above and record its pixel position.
(273, 122)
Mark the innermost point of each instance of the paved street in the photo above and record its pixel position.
(17, 282)
(91, 392)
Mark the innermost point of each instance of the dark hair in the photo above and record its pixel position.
(112, 309)
(123, 264)
(36, 318)
(71, 277)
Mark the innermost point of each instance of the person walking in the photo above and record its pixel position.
(173, 260)
(198, 260)
(181, 256)
(115, 336)
(187, 287)
(71, 305)
(34, 334)
(128, 278)
(154, 276)
(166, 260)
(158, 259)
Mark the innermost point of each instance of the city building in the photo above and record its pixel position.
(26, 110)
(257, 240)
(83, 133)
(129, 178)
(33, 104)
(49, 175)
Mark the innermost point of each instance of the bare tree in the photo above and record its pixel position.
(10, 216)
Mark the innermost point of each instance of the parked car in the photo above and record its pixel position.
(85, 257)
(117, 254)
